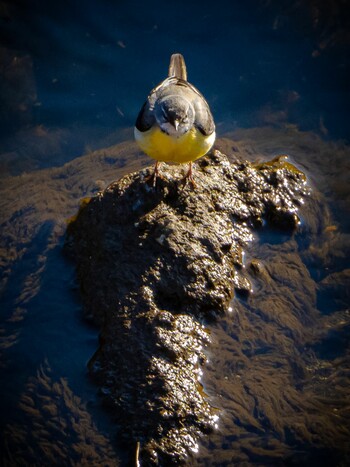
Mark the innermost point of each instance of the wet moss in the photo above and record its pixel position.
(83, 202)
(280, 162)
(154, 264)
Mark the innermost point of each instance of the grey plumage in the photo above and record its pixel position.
(186, 97)
(177, 67)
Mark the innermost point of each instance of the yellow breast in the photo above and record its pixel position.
(163, 147)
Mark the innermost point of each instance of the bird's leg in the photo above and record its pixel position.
(153, 177)
(189, 177)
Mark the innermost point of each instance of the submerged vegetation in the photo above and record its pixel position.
(155, 266)
(270, 380)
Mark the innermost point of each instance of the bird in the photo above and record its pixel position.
(175, 123)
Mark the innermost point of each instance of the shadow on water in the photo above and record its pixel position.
(16, 363)
(43, 372)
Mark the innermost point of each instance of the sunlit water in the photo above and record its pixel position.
(73, 79)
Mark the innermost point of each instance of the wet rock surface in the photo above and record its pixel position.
(156, 268)
(277, 364)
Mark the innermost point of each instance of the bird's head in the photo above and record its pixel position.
(175, 115)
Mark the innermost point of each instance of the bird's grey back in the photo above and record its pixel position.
(176, 84)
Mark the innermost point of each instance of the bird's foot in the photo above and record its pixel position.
(188, 179)
(152, 178)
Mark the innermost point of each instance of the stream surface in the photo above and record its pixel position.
(73, 78)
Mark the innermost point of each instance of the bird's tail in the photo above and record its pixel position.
(177, 67)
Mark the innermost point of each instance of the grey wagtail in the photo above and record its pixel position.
(175, 123)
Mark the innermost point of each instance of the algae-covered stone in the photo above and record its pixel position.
(155, 267)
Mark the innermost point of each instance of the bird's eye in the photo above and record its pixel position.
(185, 120)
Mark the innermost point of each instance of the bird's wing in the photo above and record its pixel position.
(204, 120)
(145, 118)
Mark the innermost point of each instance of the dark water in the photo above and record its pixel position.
(82, 72)
(73, 77)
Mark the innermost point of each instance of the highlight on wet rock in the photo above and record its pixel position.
(156, 267)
